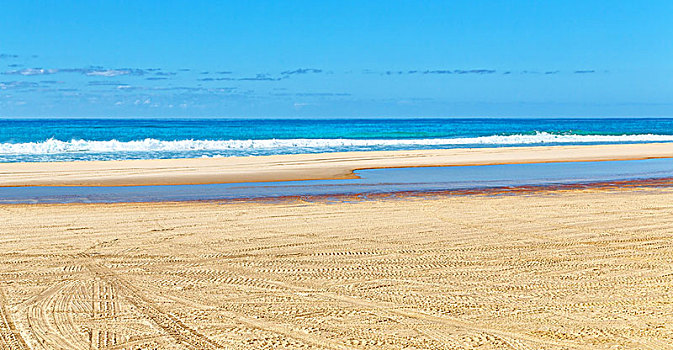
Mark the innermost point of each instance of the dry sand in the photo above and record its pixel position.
(301, 166)
(551, 270)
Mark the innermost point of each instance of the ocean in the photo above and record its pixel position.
(40, 140)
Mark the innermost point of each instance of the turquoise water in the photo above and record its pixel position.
(107, 139)
(391, 181)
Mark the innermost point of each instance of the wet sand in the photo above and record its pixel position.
(581, 268)
(323, 166)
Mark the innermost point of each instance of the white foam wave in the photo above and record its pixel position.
(53, 146)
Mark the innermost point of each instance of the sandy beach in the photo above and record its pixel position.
(549, 270)
(565, 267)
(301, 166)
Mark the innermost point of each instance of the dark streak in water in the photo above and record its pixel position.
(485, 191)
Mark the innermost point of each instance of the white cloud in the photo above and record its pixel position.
(108, 73)
(32, 71)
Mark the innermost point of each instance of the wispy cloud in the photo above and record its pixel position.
(468, 71)
(261, 77)
(443, 71)
(104, 83)
(301, 71)
(215, 79)
(31, 71)
(6, 85)
(461, 71)
(193, 89)
(177, 88)
(114, 72)
(432, 71)
(146, 87)
(313, 94)
(323, 94)
(90, 71)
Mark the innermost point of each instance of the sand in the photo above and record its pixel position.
(302, 166)
(581, 269)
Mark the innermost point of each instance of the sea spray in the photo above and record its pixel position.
(53, 146)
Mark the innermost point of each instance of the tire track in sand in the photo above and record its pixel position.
(179, 331)
(10, 338)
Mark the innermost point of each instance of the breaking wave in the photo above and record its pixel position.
(53, 146)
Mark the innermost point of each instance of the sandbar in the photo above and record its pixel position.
(322, 166)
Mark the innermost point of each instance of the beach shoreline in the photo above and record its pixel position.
(613, 186)
(296, 167)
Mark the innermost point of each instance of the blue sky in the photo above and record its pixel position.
(335, 58)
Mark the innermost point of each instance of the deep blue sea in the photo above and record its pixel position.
(32, 140)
